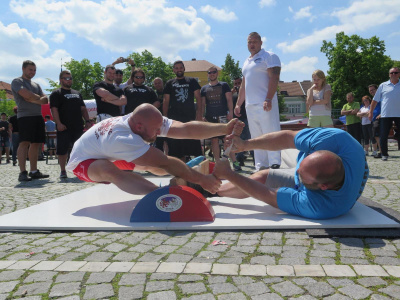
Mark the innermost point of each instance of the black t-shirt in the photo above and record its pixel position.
(68, 103)
(104, 107)
(136, 95)
(181, 102)
(160, 98)
(242, 108)
(14, 122)
(4, 133)
(216, 102)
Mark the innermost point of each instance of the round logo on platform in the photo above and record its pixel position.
(169, 203)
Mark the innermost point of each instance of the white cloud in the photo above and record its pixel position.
(221, 15)
(358, 17)
(263, 39)
(305, 65)
(58, 37)
(290, 9)
(303, 13)
(25, 46)
(265, 3)
(122, 25)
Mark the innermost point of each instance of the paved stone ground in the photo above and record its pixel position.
(184, 265)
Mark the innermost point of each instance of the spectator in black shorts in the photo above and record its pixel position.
(216, 98)
(376, 119)
(69, 112)
(179, 105)
(15, 135)
(5, 132)
(29, 97)
(158, 84)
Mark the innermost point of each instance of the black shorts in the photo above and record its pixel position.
(66, 140)
(219, 119)
(32, 129)
(376, 128)
(180, 148)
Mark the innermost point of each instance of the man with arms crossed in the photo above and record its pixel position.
(330, 175)
(29, 98)
(122, 143)
(261, 72)
(109, 98)
(68, 109)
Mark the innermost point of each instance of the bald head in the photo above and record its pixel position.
(322, 169)
(146, 121)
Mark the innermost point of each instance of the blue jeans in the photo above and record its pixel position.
(386, 125)
(15, 144)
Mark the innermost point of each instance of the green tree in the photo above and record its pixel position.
(151, 65)
(354, 63)
(6, 106)
(85, 75)
(230, 70)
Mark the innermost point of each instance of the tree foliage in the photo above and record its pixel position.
(230, 70)
(6, 106)
(354, 63)
(151, 65)
(85, 75)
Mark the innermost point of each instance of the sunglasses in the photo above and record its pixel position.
(67, 78)
(391, 73)
(139, 77)
(212, 72)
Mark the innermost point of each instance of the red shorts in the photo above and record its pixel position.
(81, 170)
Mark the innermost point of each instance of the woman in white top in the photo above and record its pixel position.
(318, 101)
(366, 125)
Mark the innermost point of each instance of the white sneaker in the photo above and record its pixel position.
(384, 158)
(374, 153)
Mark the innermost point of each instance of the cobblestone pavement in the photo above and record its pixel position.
(184, 264)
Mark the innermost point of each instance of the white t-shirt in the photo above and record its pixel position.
(256, 76)
(111, 139)
(320, 109)
(365, 120)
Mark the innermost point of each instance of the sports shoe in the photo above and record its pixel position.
(384, 158)
(275, 166)
(23, 176)
(374, 153)
(366, 152)
(378, 155)
(236, 166)
(38, 175)
(63, 174)
(14, 163)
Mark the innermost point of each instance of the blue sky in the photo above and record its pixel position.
(47, 31)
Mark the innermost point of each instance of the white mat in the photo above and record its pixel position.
(105, 207)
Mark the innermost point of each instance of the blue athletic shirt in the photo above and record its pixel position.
(318, 204)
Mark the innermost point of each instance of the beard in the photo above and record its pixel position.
(180, 74)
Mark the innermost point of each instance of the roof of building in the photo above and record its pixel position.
(294, 88)
(198, 65)
(7, 87)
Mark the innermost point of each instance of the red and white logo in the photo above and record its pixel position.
(169, 203)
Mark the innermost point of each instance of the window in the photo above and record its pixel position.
(294, 108)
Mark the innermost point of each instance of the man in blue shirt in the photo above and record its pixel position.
(388, 94)
(330, 175)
